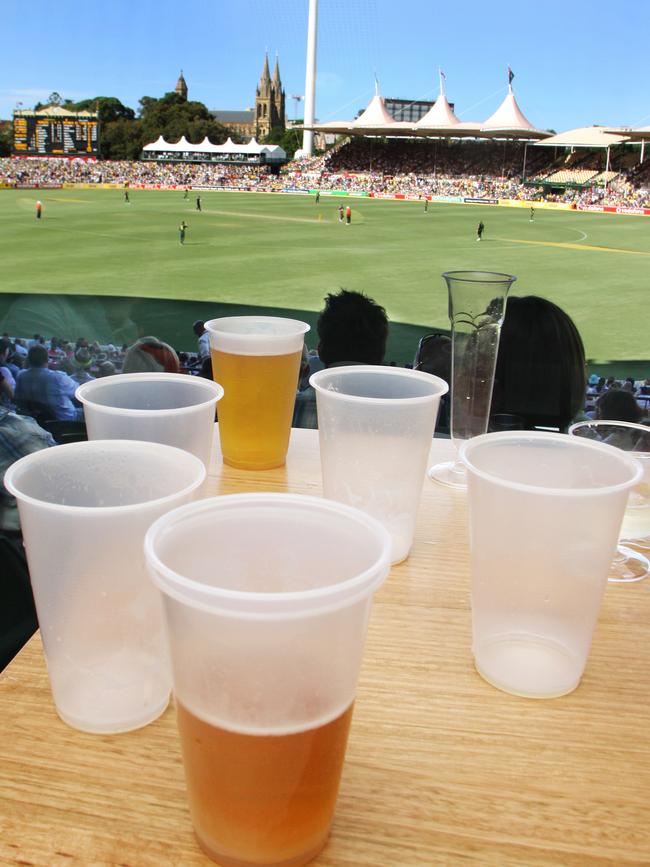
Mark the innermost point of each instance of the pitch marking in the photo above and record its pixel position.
(569, 246)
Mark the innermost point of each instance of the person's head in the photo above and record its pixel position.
(541, 370)
(5, 348)
(434, 356)
(82, 359)
(618, 405)
(198, 327)
(37, 356)
(106, 368)
(150, 355)
(352, 327)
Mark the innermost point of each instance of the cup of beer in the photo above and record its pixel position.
(266, 642)
(257, 361)
(375, 428)
(168, 408)
(84, 509)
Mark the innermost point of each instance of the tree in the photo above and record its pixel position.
(172, 117)
(6, 139)
(109, 108)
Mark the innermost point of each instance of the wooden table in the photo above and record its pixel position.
(441, 768)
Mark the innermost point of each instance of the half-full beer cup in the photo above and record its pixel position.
(84, 509)
(267, 599)
(168, 408)
(257, 361)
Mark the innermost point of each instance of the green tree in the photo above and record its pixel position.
(6, 139)
(172, 117)
(109, 108)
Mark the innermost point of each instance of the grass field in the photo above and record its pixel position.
(285, 253)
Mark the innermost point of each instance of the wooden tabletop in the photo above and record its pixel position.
(441, 768)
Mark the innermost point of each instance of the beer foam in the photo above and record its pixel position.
(263, 731)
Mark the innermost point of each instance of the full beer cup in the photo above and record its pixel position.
(545, 511)
(257, 361)
(375, 427)
(168, 408)
(267, 599)
(84, 510)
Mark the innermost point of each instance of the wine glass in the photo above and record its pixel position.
(477, 304)
(629, 565)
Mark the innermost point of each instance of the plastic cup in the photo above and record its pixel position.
(375, 428)
(257, 360)
(168, 408)
(266, 642)
(545, 511)
(84, 509)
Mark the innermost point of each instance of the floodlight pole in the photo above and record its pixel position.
(310, 79)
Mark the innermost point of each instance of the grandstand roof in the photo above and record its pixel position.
(509, 120)
(440, 121)
(639, 133)
(584, 137)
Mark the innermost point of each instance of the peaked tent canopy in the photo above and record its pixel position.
(206, 147)
(639, 133)
(509, 121)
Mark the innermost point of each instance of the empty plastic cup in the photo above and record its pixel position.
(84, 509)
(257, 361)
(168, 408)
(545, 511)
(375, 429)
(267, 599)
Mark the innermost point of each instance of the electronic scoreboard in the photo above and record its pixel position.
(68, 136)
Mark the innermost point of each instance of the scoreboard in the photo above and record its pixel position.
(42, 135)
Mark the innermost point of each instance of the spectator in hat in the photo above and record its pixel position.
(150, 355)
(81, 363)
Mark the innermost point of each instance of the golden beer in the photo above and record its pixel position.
(262, 798)
(257, 406)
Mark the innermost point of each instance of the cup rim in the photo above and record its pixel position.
(211, 324)
(265, 605)
(457, 275)
(605, 422)
(625, 457)
(199, 382)
(377, 370)
(45, 455)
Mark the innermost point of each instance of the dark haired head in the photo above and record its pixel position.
(352, 327)
(618, 405)
(540, 373)
(37, 356)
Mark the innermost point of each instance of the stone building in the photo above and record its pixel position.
(181, 87)
(269, 101)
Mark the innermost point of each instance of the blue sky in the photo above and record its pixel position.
(575, 63)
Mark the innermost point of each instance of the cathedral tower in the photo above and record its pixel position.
(181, 86)
(269, 101)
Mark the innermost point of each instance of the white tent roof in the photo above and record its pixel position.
(440, 115)
(508, 119)
(375, 114)
(206, 146)
(584, 137)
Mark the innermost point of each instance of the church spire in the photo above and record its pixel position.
(276, 71)
(266, 77)
(181, 86)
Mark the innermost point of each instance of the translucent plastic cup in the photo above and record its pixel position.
(84, 509)
(168, 408)
(266, 642)
(545, 511)
(375, 428)
(257, 361)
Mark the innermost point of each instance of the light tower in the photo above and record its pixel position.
(310, 81)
